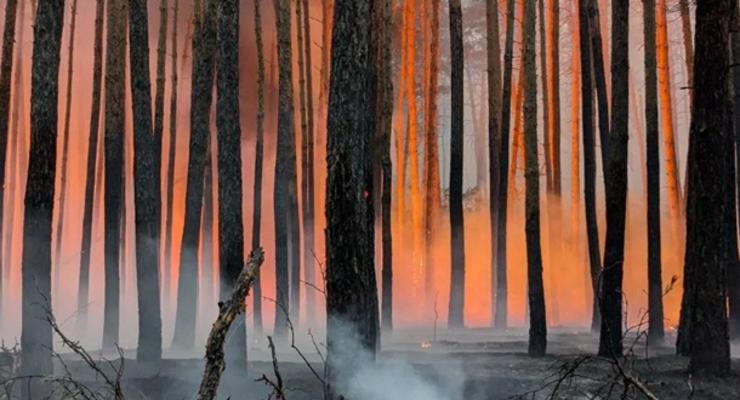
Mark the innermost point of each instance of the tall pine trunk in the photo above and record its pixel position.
(286, 221)
(146, 189)
(204, 49)
(710, 163)
(83, 287)
(610, 343)
(537, 319)
(36, 335)
(114, 160)
(734, 271)
(655, 285)
(457, 280)
(309, 256)
(589, 161)
(599, 78)
(169, 201)
(158, 127)
(58, 230)
(351, 295)
(258, 159)
(230, 223)
(501, 312)
(495, 151)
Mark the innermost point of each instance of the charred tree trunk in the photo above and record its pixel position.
(537, 319)
(36, 335)
(295, 277)
(114, 160)
(599, 79)
(431, 150)
(457, 285)
(495, 152)
(655, 285)
(309, 256)
(258, 159)
(383, 127)
(733, 273)
(589, 161)
(204, 45)
(158, 131)
(708, 235)
(500, 316)
(688, 45)
(351, 301)
(610, 343)
(285, 174)
(167, 270)
(58, 230)
(83, 287)
(6, 74)
(230, 223)
(146, 188)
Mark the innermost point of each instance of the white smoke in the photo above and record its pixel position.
(391, 378)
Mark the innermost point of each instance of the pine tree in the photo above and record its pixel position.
(36, 335)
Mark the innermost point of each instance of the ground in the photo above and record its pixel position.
(474, 364)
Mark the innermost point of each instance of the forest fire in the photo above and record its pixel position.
(377, 199)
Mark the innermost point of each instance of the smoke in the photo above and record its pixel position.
(358, 377)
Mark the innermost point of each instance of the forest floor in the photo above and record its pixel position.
(473, 364)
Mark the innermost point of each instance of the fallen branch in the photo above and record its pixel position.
(228, 311)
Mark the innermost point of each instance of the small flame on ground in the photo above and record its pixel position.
(425, 344)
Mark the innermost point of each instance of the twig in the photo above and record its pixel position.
(278, 390)
(227, 312)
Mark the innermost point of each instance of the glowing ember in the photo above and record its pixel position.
(426, 344)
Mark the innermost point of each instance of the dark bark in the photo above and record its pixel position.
(159, 95)
(589, 163)
(457, 285)
(295, 277)
(231, 226)
(309, 256)
(351, 292)
(500, 316)
(286, 219)
(59, 229)
(36, 334)
(495, 151)
(146, 188)
(536, 295)
(610, 343)
(167, 270)
(733, 272)
(709, 236)
(384, 115)
(655, 284)
(258, 159)
(204, 49)
(83, 288)
(599, 79)
(6, 73)
(114, 160)
(543, 75)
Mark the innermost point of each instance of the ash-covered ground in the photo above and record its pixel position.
(474, 364)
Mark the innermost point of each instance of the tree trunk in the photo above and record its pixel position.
(146, 189)
(666, 115)
(58, 229)
(399, 128)
(688, 46)
(431, 150)
(6, 74)
(575, 148)
(734, 270)
(384, 114)
(457, 285)
(231, 227)
(309, 256)
(204, 43)
(495, 150)
(351, 295)
(83, 288)
(599, 78)
(114, 160)
(537, 319)
(501, 312)
(544, 81)
(258, 158)
(172, 151)
(589, 160)
(610, 343)
(708, 235)
(286, 220)
(655, 285)
(36, 335)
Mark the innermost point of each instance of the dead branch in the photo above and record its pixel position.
(228, 311)
(278, 390)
